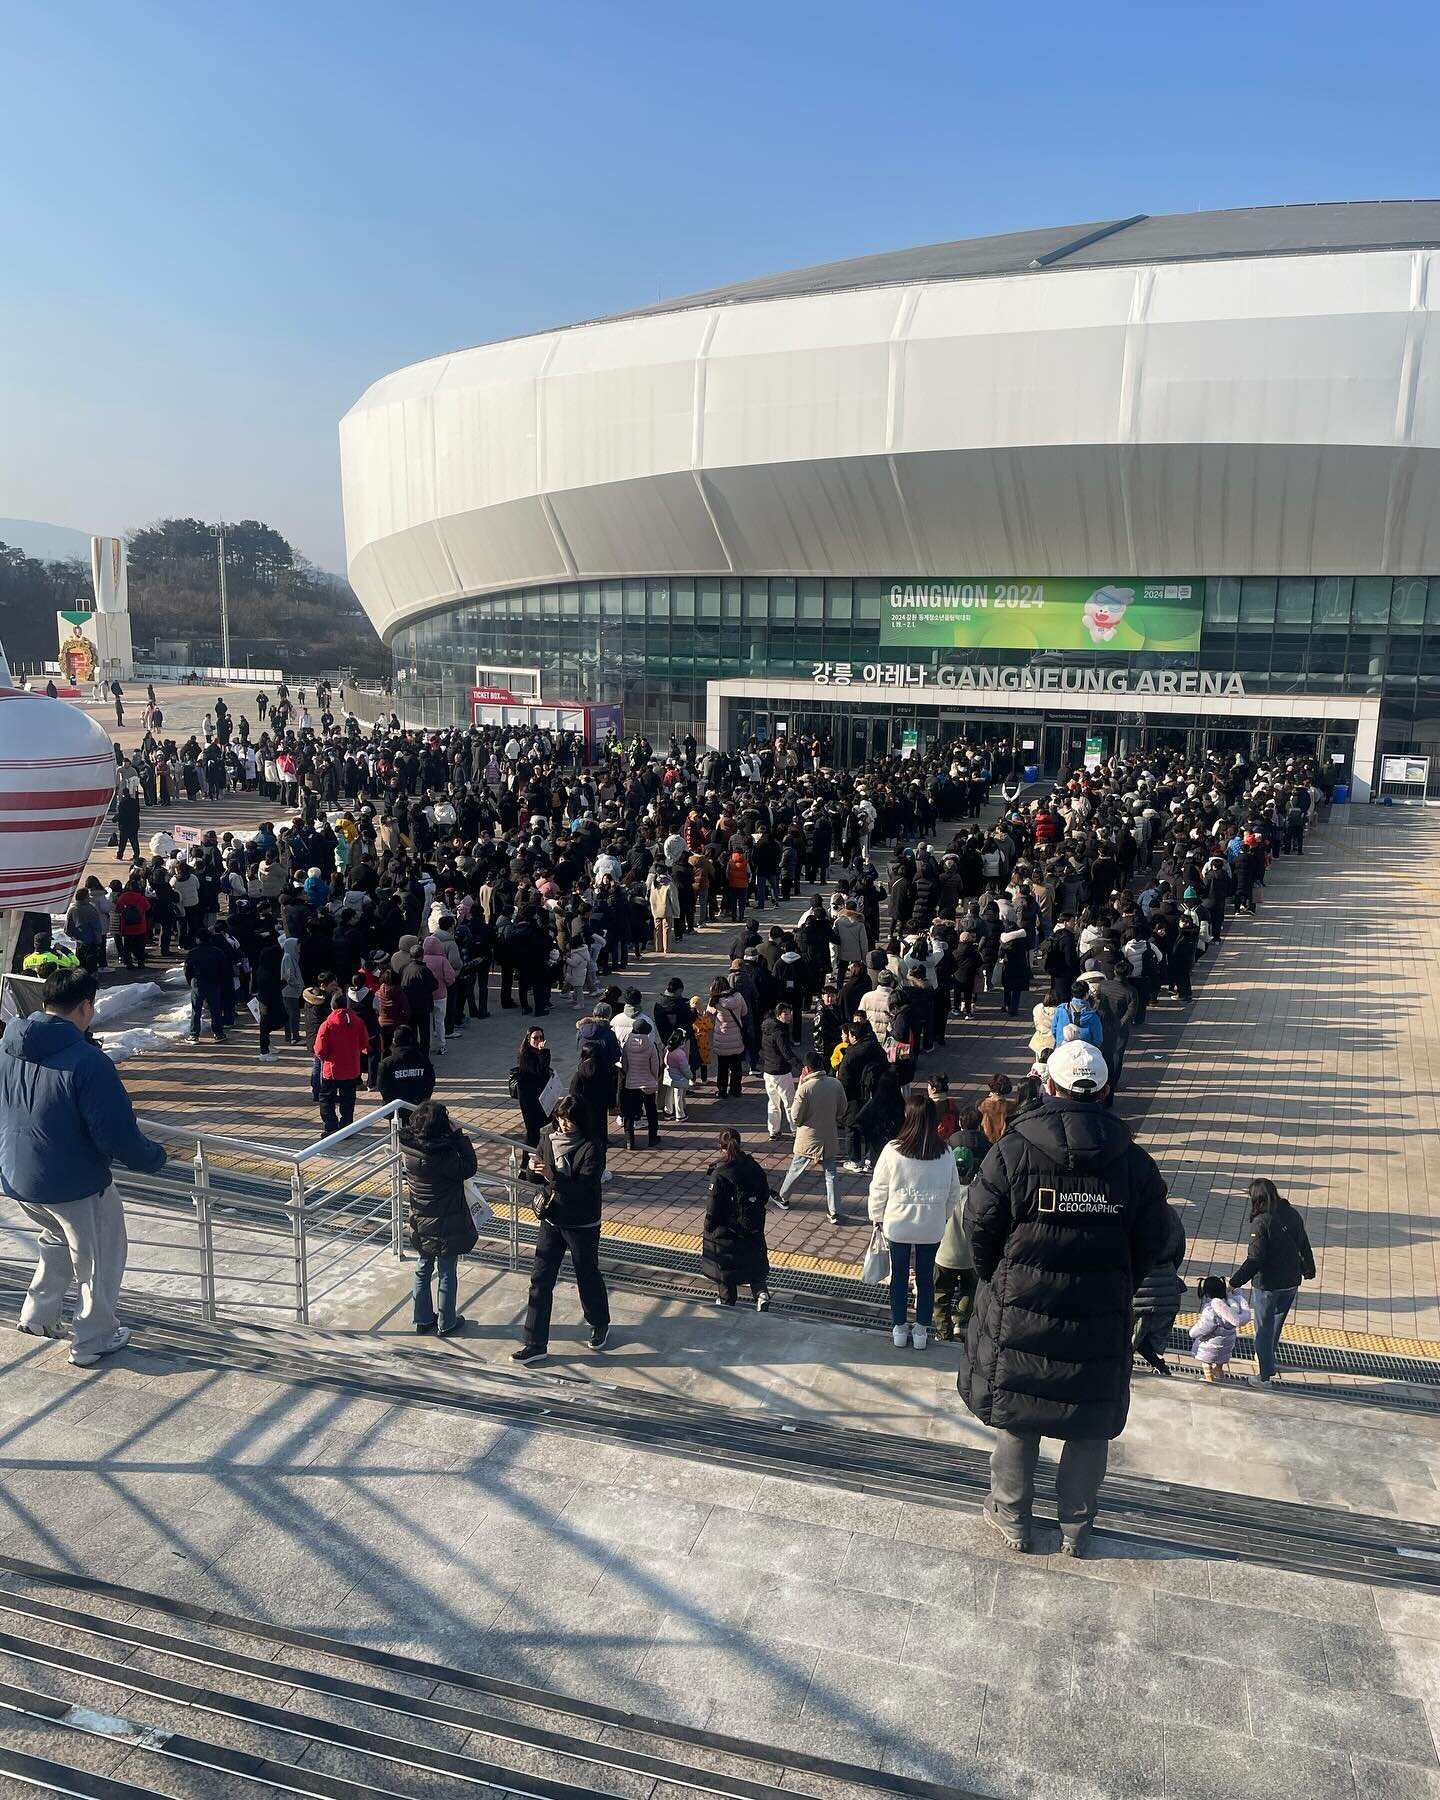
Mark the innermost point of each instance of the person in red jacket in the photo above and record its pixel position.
(341, 1044)
(133, 911)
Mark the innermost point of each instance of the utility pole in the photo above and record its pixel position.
(224, 604)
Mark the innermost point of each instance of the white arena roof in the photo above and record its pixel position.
(1252, 392)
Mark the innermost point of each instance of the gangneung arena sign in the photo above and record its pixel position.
(1126, 613)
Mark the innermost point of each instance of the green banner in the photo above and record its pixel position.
(1126, 613)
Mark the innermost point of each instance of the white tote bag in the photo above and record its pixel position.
(550, 1093)
(876, 1266)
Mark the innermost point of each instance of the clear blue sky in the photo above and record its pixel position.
(219, 224)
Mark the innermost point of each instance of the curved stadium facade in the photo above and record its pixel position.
(1150, 479)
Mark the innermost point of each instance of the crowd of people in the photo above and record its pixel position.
(425, 882)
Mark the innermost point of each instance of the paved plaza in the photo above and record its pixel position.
(1308, 1056)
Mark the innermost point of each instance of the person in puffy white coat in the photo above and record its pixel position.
(913, 1191)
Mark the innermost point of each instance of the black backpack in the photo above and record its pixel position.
(130, 913)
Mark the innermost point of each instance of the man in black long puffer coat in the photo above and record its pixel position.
(1064, 1220)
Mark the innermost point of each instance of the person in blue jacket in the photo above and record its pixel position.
(1079, 1012)
(64, 1119)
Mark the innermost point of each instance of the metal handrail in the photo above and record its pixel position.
(306, 1215)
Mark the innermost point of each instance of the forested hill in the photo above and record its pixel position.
(174, 593)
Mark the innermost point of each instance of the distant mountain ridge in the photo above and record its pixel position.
(46, 543)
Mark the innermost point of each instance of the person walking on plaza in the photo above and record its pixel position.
(779, 1066)
(529, 1079)
(127, 823)
(914, 1189)
(438, 1159)
(1065, 1219)
(1278, 1260)
(569, 1214)
(65, 1118)
(734, 1231)
(341, 1045)
(640, 1082)
(207, 970)
(817, 1114)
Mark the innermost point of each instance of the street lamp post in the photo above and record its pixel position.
(224, 604)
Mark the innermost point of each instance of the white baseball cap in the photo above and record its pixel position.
(1078, 1068)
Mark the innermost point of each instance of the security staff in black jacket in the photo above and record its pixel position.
(1064, 1221)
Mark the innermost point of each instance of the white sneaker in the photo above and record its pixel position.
(850, 1168)
(86, 1359)
(901, 1336)
(919, 1336)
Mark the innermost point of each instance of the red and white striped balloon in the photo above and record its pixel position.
(57, 776)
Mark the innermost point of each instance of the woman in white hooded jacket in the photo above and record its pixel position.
(913, 1191)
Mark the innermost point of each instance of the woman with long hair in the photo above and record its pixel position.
(1278, 1260)
(913, 1191)
(734, 1232)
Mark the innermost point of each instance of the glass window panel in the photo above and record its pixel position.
(709, 599)
(1332, 599)
(1327, 653)
(1222, 600)
(550, 604)
(868, 596)
(1287, 656)
(1257, 602)
(1372, 600)
(590, 600)
(1432, 605)
(634, 605)
(1252, 651)
(730, 600)
(569, 603)
(839, 600)
(1403, 656)
(1407, 603)
(682, 599)
(1430, 654)
(1295, 603)
(659, 599)
(812, 602)
(757, 599)
(610, 599)
(782, 598)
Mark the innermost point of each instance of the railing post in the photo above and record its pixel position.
(200, 1194)
(514, 1209)
(397, 1195)
(297, 1226)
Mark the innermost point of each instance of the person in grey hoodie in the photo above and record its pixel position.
(292, 987)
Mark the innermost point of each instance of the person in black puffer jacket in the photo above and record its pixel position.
(1065, 1219)
(1158, 1297)
(569, 1220)
(439, 1159)
(734, 1233)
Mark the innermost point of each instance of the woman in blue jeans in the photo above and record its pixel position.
(439, 1159)
(913, 1191)
(1278, 1260)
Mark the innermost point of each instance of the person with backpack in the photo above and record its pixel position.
(737, 883)
(132, 910)
(1077, 1017)
(733, 1241)
(438, 1160)
(1278, 1260)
